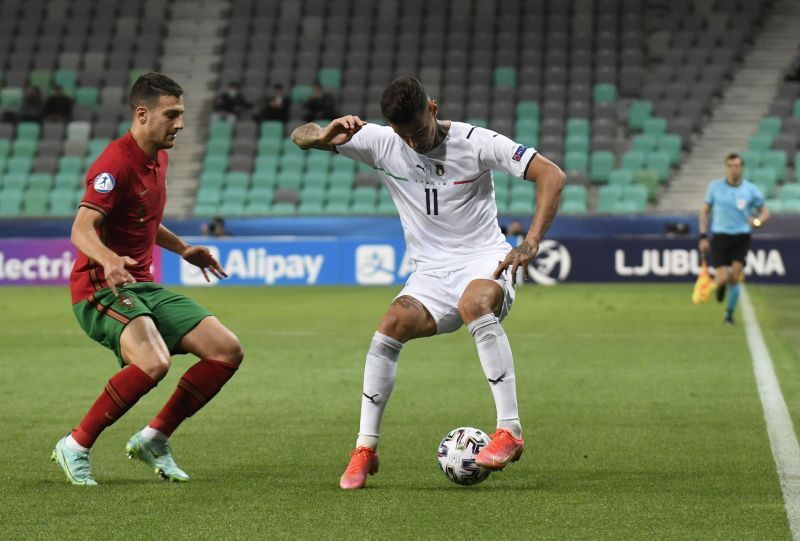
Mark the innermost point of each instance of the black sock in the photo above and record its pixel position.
(720, 292)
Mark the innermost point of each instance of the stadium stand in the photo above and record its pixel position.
(614, 91)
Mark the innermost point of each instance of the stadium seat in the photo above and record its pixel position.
(600, 166)
(576, 161)
(620, 177)
(604, 93)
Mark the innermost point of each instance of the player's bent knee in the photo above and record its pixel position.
(395, 327)
(476, 305)
(231, 352)
(156, 366)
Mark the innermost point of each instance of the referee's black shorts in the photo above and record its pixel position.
(725, 249)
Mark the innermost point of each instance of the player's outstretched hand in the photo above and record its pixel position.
(341, 130)
(516, 258)
(200, 257)
(115, 272)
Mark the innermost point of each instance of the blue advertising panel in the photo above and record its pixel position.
(367, 261)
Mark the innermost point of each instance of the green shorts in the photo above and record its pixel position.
(103, 316)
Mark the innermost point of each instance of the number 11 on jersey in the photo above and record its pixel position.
(428, 193)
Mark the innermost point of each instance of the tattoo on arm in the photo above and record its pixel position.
(307, 135)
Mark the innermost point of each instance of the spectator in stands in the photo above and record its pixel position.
(275, 106)
(32, 103)
(320, 106)
(214, 228)
(230, 104)
(57, 106)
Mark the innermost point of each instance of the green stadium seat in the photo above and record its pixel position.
(636, 193)
(24, 147)
(528, 110)
(205, 210)
(267, 164)
(78, 131)
(208, 196)
(292, 164)
(796, 108)
(364, 195)
(620, 177)
(607, 196)
(658, 161)
(301, 93)
(760, 142)
(86, 96)
(338, 193)
(752, 158)
(578, 126)
(261, 194)
(41, 78)
(10, 97)
(221, 129)
(212, 179)
(315, 178)
(5, 149)
(638, 113)
(770, 125)
(231, 208)
(263, 178)
(521, 206)
(35, 202)
(97, 146)
(604, 93)
(671, 144)
(625, 206)
(311, 207)
(386, 208)
(237, 179)
(777, 161)
(573, 207)
(363, 207)
(289, 179)
(501, 195)
(577, 143)
(341, 178)
(633, 160)
(19, 164)
(601, 164)
(271, 129)
(66, 79)
(576, 161)
(330, 78)
(233, 194)
(282, 209)
(645, 143)
(10, 202)
(789, 191)
(61, 203)
(217, 150)
(40, 181)
(28, 130)
(766, 179)
(312, 193)
(792, 205)
(340, 163)
(68, 180)
(523, 189)
(319, 161)
(15, 180)
(655, 126)
(505, 76)
(123, 127)
(336, 207)
(501, 178)
(257, 208)
(649, 179)
(575, 194)
(268, 147)
(216, 164)
(526, 130)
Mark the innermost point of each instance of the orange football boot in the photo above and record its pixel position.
(502, 449)
(363, 461)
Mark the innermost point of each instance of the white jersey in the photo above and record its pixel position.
(445, 198)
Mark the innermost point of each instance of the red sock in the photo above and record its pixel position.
(121, 393)
(197, 386)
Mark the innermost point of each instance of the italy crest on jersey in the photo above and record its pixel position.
(104, 183)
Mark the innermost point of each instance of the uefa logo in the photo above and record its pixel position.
(551, 265)
(375, 264)
(104, 183)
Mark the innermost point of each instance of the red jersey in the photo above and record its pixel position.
(130, 190)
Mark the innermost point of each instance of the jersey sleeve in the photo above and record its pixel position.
(498, 152)
(365, 145)
(709, 199)
(757, 200)
(104, 186)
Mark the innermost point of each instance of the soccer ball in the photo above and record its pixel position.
(457, 454)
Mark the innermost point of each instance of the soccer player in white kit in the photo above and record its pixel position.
(439, 174)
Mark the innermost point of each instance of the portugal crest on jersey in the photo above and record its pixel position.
(127, 301)
(104, 183)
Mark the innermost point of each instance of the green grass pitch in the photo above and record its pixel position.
(641, 417)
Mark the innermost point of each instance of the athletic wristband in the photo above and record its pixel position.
(703, 236)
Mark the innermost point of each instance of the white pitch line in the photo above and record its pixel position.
(782, 438)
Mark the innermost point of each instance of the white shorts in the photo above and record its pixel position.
(440, 290)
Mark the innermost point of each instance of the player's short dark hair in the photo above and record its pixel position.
(403, 100)
(734, 156)
(149, 87)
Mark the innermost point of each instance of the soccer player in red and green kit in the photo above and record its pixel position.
(118, 304)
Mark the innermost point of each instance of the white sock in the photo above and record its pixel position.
(380, 373)
(74, 445)
(497, 361)
(151, 433)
